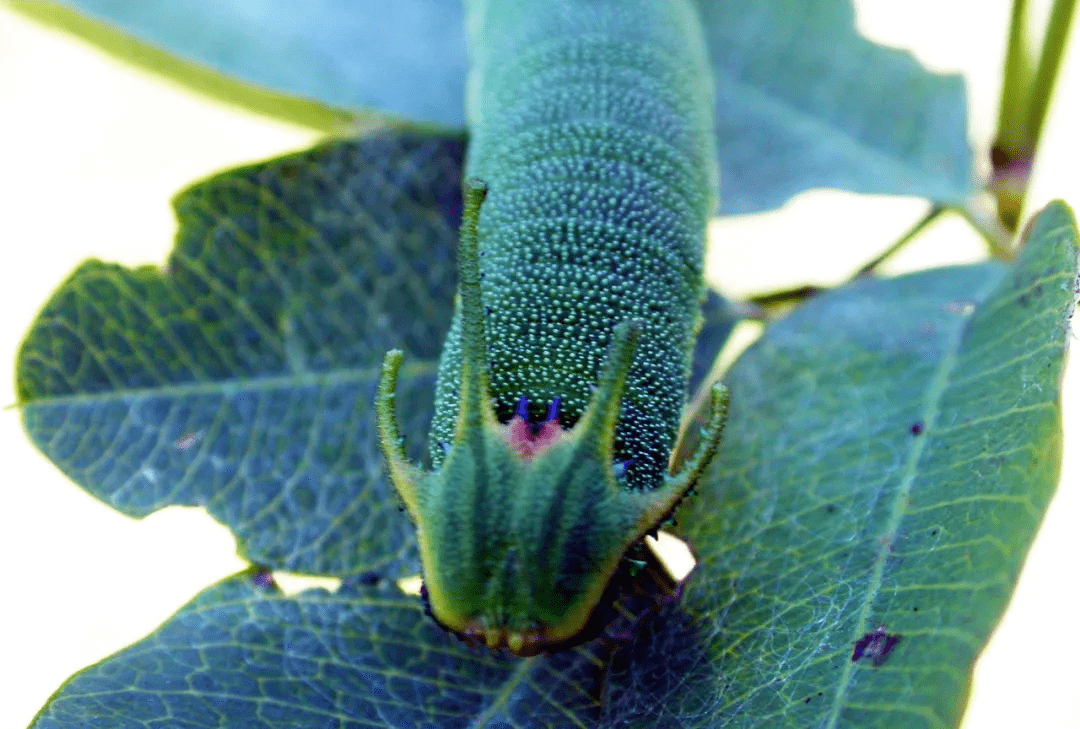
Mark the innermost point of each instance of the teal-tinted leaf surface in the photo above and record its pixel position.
(244, 655)
(803, 100)
(890, 452)
(242, 376)
(406, 57)
(831, 522)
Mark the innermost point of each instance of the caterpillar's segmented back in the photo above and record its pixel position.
(590, 180)
(591, 123)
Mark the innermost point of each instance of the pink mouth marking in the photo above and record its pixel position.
(527, 439)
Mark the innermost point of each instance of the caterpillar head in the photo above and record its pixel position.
(521, 529)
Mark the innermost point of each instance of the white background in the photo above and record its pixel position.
(92, 151)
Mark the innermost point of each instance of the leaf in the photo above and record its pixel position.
(804, 101)
(243, 654)
(405, 57)
(242, 376)
(891, 449)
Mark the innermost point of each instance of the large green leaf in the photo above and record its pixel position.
(803, 100)
(241, 376)
(242, 654)
(891, 450)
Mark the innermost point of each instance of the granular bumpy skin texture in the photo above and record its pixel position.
(590, 123)
(589, 183)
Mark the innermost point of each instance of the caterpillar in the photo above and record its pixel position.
(590, 179)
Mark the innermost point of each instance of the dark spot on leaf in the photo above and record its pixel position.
(263, 579)
(917, 427)
(914, 609)
(876, 645)
(427, 603)
(369, 579)
(831, 508)
(933, 532)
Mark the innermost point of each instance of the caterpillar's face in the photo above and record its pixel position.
(522, 561)
(522, 526)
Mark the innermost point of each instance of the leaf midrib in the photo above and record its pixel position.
(932, 410)
(416, 368)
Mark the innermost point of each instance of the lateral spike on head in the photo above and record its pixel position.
(602, 413)
(656, 505)
(402, 473)
(385, 417)
(553, 412)
(713, 431)
(522, 410)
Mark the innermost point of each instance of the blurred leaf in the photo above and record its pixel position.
(205, 79)
(718, 318)
(320, 57)
(804, 101)
(891, 451)
(242, 376)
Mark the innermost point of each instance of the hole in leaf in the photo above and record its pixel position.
(673, 553)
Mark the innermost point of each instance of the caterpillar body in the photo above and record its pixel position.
(566, 367)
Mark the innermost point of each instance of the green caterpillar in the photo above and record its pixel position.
(565, 371)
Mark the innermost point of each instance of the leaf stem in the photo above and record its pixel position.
(998, 238)
(1025, 99)
(869, 268)
(776, 299)
(1012, 132)
(1054, 42)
